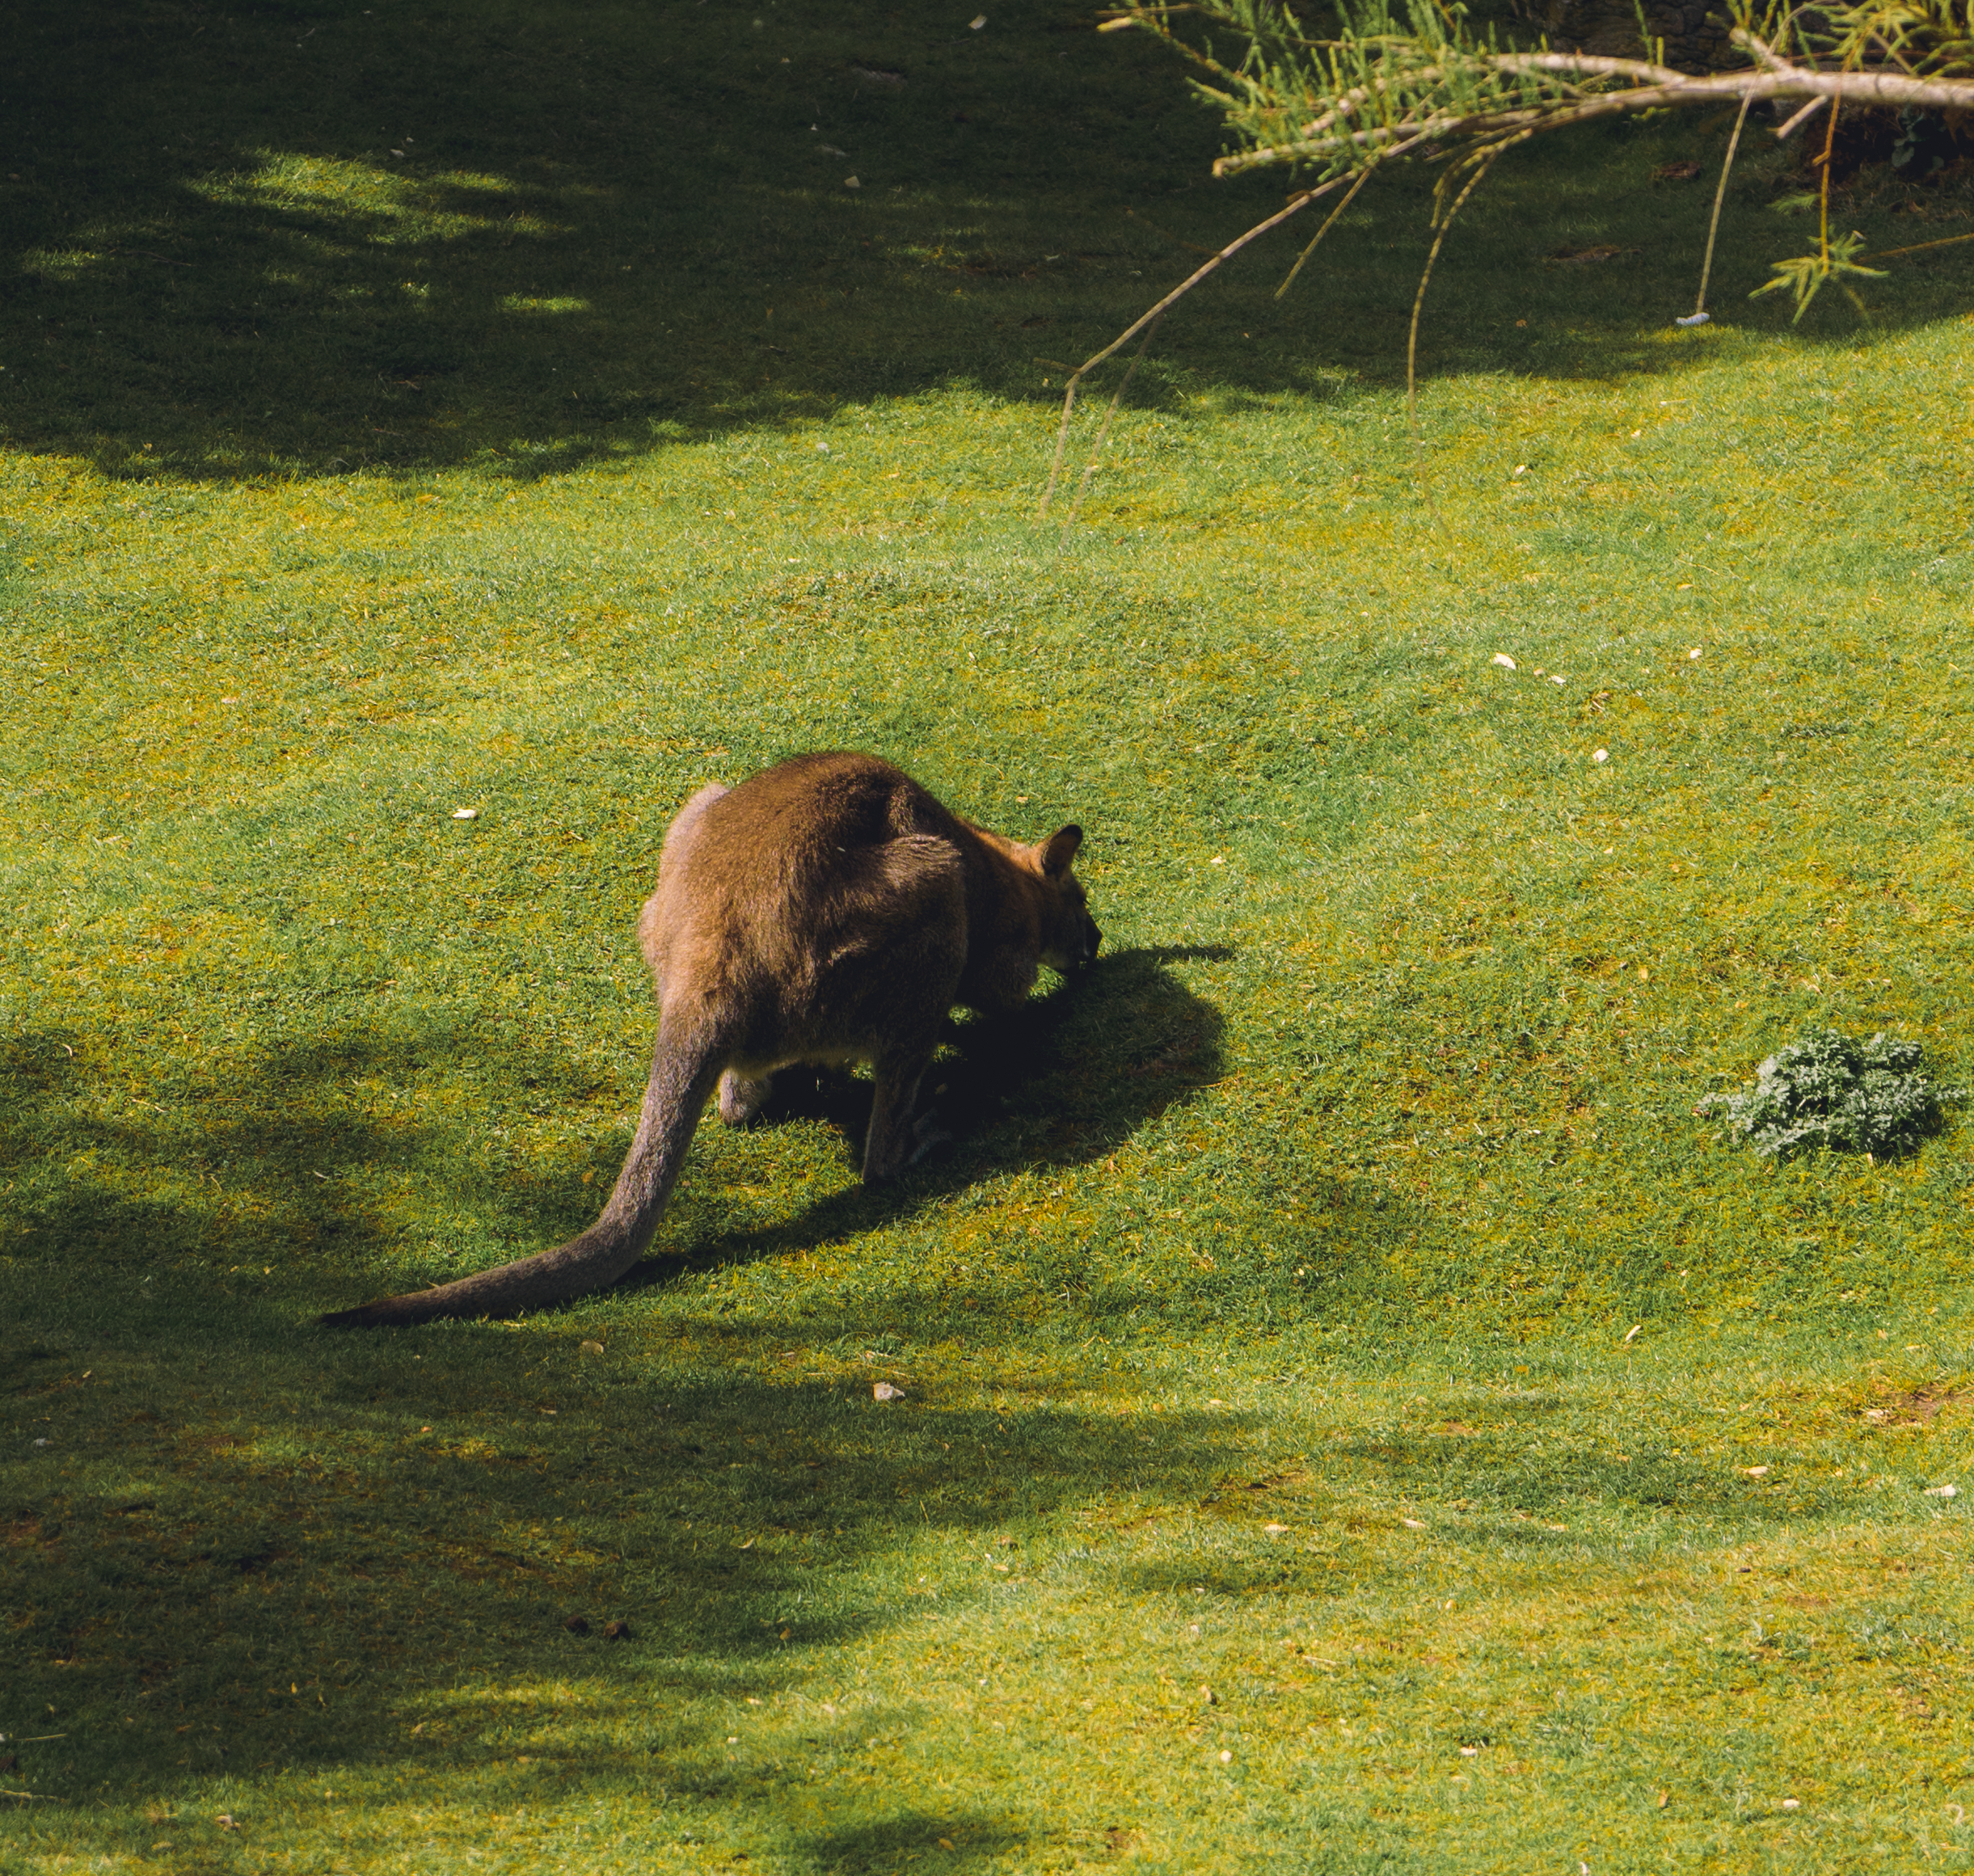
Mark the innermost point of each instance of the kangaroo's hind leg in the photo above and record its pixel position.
(897, 1137)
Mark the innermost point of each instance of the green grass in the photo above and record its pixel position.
(1267, 1334)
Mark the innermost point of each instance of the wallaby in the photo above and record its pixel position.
(828, 910)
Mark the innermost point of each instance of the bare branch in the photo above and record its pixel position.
(1801, 118)
(1297, 205)
(1677, 90)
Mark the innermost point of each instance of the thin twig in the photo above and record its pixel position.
(1096, 448)
(1713, 227)
(1829, 144)
(1419, 300)
(1062, 439)
(1917, 248)
(1117, 23)
(1364, 176)
(1300, 202)
(1801, 117)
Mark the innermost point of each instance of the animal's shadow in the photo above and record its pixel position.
(1066, 1079)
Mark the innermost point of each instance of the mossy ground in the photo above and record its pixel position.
(512, 408)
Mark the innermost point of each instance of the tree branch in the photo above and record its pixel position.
(1675, 91)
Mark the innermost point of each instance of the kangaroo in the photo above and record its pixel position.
(828, 910)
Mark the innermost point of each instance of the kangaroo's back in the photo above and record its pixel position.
(813, 842)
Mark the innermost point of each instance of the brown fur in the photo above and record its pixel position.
(828, 910)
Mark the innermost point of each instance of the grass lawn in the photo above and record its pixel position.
(1355, 1416)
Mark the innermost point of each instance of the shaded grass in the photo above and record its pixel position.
(1026, 1613)
(1325, 1204)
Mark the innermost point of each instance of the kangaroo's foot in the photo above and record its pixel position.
(927, 1137)
(741, 1099)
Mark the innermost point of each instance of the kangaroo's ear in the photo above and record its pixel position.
(1060, 848)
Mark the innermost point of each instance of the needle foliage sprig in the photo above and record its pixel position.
(1384, 77)
(1385, 84)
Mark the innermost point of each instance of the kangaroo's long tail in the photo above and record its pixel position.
(682, 1078)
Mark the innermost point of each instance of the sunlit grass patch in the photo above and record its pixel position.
(61, 263)
(514, 303)
(386, 206)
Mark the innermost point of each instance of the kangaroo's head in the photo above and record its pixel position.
(1070, 934)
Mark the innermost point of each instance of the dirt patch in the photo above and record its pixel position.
(1908, 1409)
